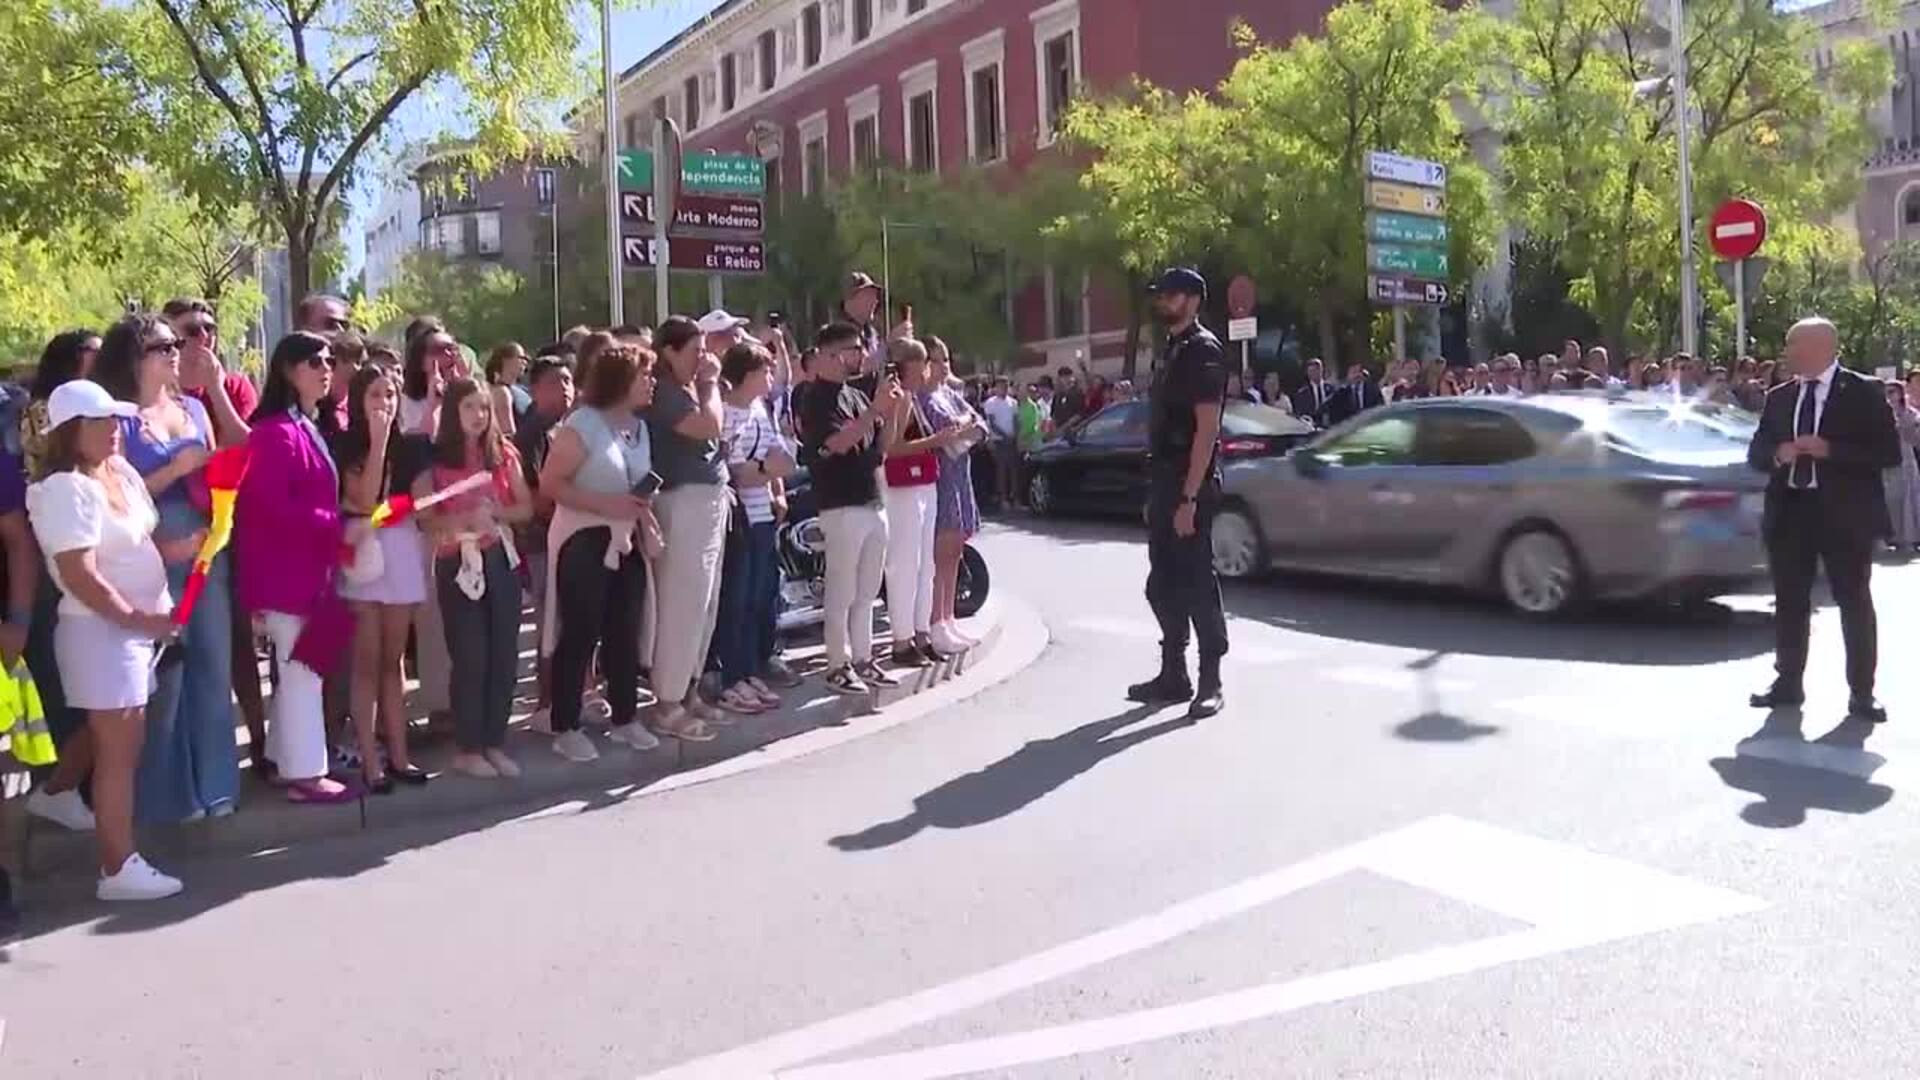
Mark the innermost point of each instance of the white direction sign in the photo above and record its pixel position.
(1405, 170)
(1243, 329)
(1567, 898)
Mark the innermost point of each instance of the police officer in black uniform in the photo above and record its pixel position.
(1189, 390)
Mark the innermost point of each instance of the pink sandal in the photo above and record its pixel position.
(310, 792)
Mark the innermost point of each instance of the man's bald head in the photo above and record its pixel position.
(1812, 345)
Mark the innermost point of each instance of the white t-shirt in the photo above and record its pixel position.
(69, 511)
(417, 416)
(1001, 414)
(750, 435)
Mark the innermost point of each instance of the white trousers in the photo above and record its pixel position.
(693, 518)
(911, 512)
(297, 720)
(856, 568)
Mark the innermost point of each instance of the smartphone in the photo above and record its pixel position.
(648, 485)
(775, 319)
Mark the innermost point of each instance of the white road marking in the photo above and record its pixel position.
(1570, 898)
(1137, 630)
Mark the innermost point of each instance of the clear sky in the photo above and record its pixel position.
(639, 27)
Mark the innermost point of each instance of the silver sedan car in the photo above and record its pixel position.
(1548, 501)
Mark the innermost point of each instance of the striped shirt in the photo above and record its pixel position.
(750, 435)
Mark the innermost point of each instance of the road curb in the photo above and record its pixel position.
(1013, 637)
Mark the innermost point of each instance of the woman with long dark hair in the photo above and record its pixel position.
(94, 520)
(504, 367)
(915, 454)
(287, 534)
(957, 513)
(384, 596)
(473, 573)
(684, 425)
(433, 359)
(57, 796)
(188, 768)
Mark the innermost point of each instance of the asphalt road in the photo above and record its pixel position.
(1425, 839)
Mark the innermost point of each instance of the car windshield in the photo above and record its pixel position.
(1681, 433)
(1246, 418)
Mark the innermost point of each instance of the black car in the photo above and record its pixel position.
(1100, 466)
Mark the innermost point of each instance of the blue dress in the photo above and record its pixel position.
(955, 509)
(188, 764)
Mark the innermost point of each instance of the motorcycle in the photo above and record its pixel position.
(802, 550)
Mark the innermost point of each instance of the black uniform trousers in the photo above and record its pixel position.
(1802, 536)
(1182, 588)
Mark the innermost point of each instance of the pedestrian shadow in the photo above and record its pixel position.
(1436, 727)
(1792, 775)
(1015, 781)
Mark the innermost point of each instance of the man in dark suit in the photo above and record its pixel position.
(1310, 401)
(1359, 394)
(1823, 440)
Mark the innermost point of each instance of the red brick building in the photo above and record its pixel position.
(817, 87)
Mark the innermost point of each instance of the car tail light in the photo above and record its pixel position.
(1242, 447)
(1702, 499)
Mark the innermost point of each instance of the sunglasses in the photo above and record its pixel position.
(154, 347)
(319, 361)
(205, 331)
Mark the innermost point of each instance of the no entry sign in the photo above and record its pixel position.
(1737, 229)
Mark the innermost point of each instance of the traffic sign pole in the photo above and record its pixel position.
(1739, 309)
(663, 217)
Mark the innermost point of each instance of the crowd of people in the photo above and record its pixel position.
(392, 506)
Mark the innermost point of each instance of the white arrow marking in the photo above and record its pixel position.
(1570, 898)
(636, 248)
(634, 205)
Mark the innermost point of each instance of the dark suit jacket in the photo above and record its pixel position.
(1303, 403)
(1862, 441)
(1350, 401)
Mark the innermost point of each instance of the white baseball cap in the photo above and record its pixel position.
(84, 399)
(718, 321)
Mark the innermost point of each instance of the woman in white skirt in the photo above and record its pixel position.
(385, 585)
(94, 519)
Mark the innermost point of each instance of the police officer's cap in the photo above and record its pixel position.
(1180, 279)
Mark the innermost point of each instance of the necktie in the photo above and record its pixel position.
(1803, 424)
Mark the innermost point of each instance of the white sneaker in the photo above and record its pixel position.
(136, 881)
(945, 641)
(959, 635)
(67, 809)
(635, 735)
(575, 747)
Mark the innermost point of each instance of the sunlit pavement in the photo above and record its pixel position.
(1425, 839)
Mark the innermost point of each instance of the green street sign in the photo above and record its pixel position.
(730, 174)
(1392, 228)
(1396, 259)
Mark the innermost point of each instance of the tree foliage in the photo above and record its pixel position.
(274, 103)
(1591, 150)
(484, 304)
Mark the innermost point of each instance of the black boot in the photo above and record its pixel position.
(1170, 687)
(1208, 700)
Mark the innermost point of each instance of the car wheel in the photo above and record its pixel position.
(1238, 551)
(1538, 573)
(1040, 492)
(971, 584)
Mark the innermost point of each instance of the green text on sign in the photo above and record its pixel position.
(1423, 262)
(1384, 225)
(737, 174)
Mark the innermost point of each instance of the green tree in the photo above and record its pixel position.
(273, 103)
(1590, 152)
(483, 304)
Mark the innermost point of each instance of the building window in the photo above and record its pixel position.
(487, 232)
(728, 86)
(920, 116)
(813, 154)
(915, 7)
(690, 90)
(543, 186)
(452, 238)
(866, 142)
(1066, 296)
(986, 97)
(1056, 44)
(768, 60)
(862, 19)
(810, 35)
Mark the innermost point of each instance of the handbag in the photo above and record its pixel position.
(914, 470)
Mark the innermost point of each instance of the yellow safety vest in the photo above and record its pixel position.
(23, 720)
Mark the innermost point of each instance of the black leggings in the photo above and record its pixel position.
(595, 606)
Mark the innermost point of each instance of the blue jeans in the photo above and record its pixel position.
(190, 760)
(749, 583)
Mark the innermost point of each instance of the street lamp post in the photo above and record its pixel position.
(1677, 51)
